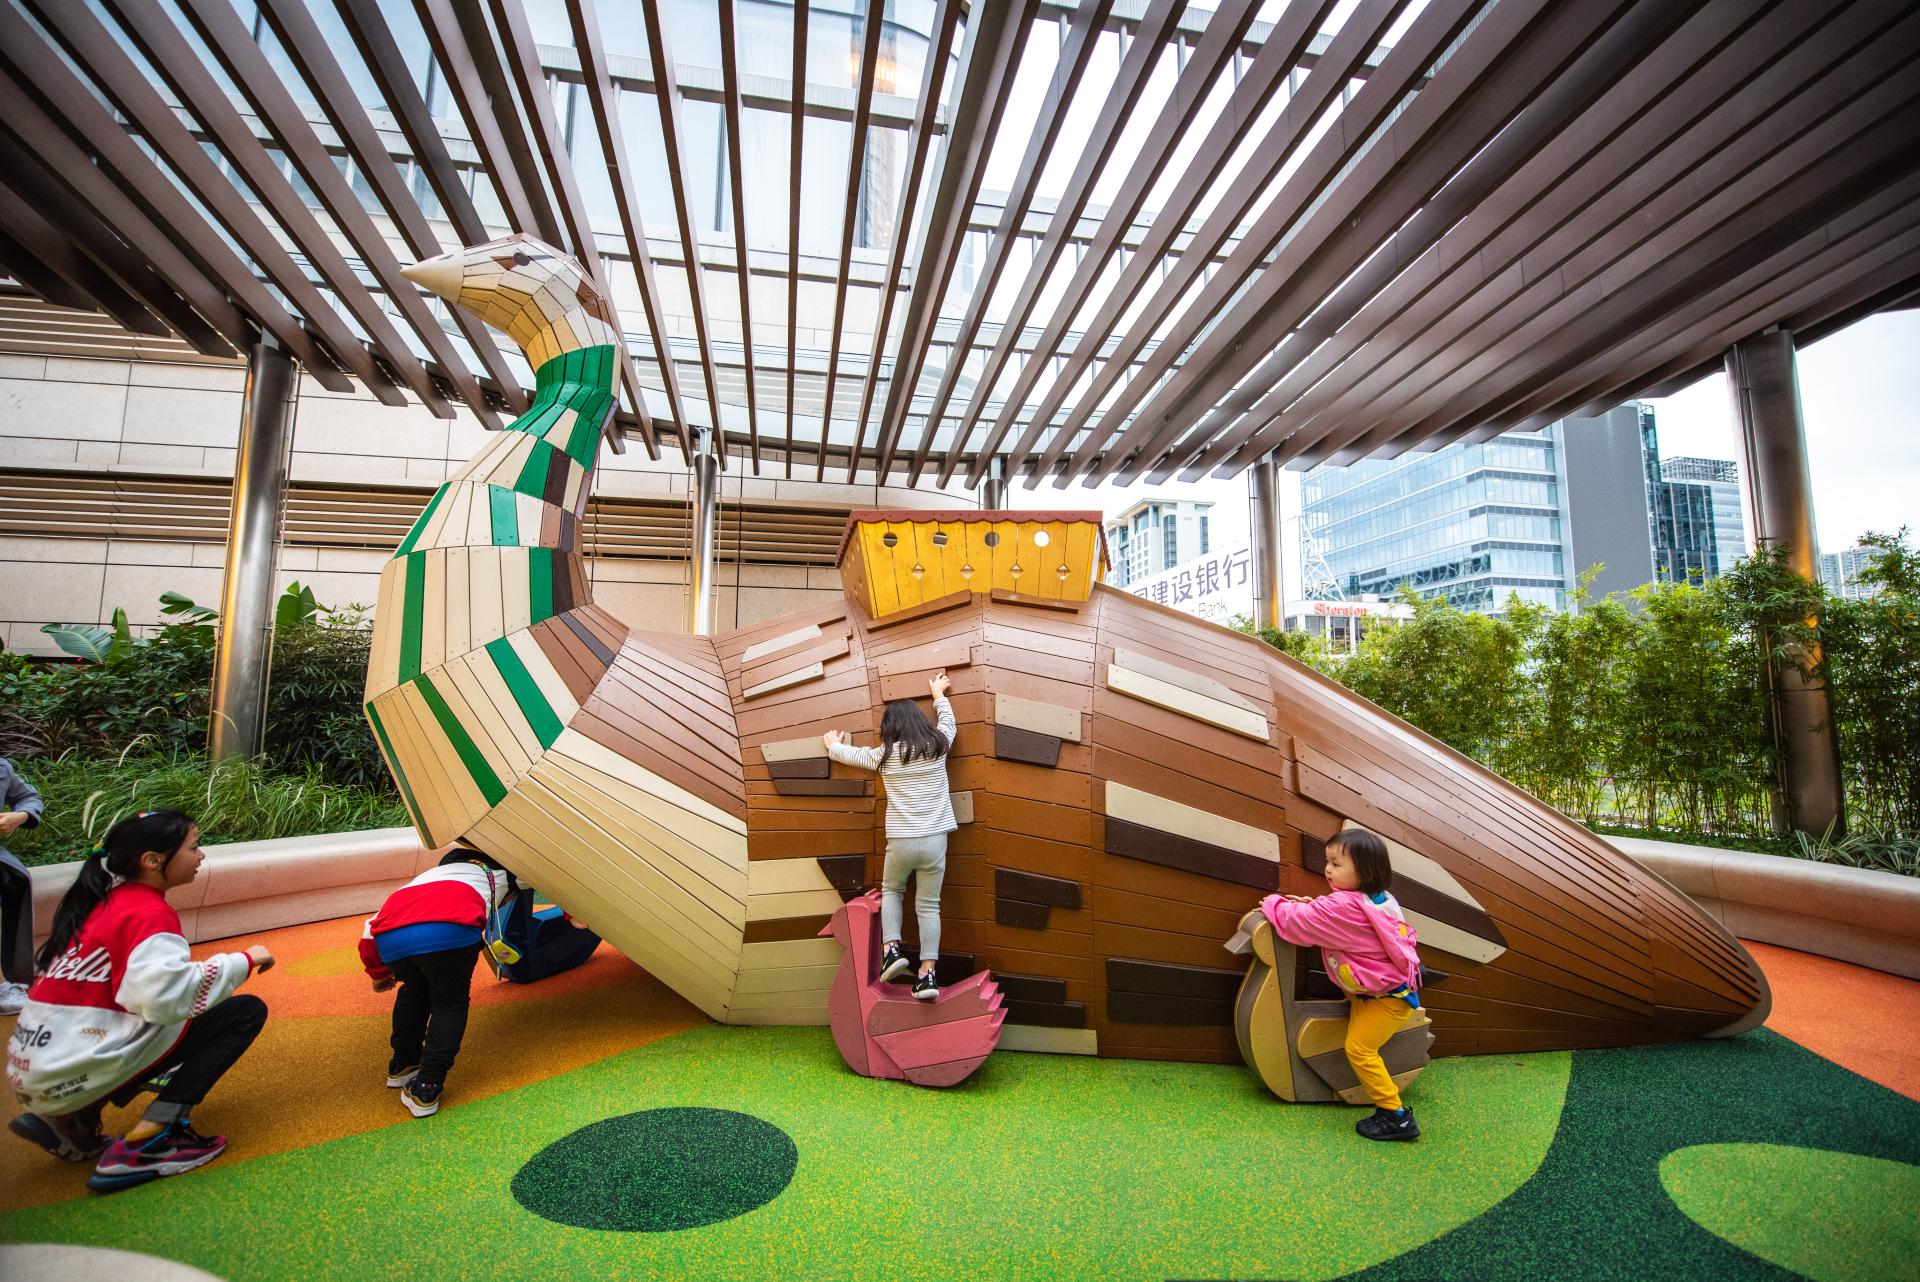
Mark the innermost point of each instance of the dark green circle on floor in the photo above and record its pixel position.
(658, 1170)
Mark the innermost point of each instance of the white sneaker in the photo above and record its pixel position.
(13, 998)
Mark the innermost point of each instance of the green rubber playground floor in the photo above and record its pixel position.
(715, 1152)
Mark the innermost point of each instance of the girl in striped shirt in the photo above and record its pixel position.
(912, 761)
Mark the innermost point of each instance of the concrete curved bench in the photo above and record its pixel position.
(246, 886)
(1856, 915)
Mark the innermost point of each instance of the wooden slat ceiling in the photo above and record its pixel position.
(61, 504)
(1121, 239)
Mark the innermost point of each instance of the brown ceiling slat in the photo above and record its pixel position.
(996, 38)
(730, 110)
(606, 119)
(1614, 140)
(920, 146)
(380, 53)
(1076, 55)
(874, 26)
(1207, 61)
(41, 256)
(89, 187)
(666, 102)
(303, 42)
(526, 210)
(1320, 173)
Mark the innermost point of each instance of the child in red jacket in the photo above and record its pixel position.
(120, 1006)
(426, 938)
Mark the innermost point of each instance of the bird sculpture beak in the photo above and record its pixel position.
(440, 276)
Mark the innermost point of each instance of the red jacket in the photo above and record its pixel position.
(460, 893)
(114, 1003)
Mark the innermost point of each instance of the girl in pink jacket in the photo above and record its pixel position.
(1369, 952)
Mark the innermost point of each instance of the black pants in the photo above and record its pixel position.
(214, 1043)
(430, 1012)
(16, 921)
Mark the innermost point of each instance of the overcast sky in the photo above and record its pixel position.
(1859, 391)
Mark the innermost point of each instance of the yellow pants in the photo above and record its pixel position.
(1370, 1022)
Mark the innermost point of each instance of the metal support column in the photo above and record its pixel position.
(993, 490)
(1766, 400)
(236, 721)
(1269, 587)
(706, 513)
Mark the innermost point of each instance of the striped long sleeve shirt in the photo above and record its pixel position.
(918, 802)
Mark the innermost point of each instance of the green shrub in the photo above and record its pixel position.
(234, 801)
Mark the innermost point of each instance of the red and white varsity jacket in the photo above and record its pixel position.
(459, 893)
(114, 1003)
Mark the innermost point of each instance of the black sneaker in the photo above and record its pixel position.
(74, 1137)
(1384, 1125)
(926, 988)
(893, 964)
(399, 1075)
(422, 1098)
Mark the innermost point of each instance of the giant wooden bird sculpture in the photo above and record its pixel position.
(1130, 779)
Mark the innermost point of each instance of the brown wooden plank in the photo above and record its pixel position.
(760, 932)
(1215, 925)
(823, 787)
(1006, 596)
(1034, 888)
(1159, 1008)
(812, 768)
(1033, 989)
(565, 661)
(1136, 975)
(1046, 1014)
(921, 611)
(824, 841)
(1071, 825)
(1014, 744)
(1020, 914)
(932, 656)
(1133, 841)
(824, 649)
(1040, 664)
(610, 729)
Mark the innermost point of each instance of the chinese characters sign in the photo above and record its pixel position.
(1215, 587)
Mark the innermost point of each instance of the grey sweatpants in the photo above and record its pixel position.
(928, 857)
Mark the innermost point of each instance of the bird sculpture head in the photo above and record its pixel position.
(538, 296)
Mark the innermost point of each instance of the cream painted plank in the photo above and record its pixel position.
(527, 511)
(584, 750)
(812, 672)
(576, 481)
(808, 749)
(388, 605)
(504, 749)
(1186, 678)
(1450, 939)
(459, 615)
(562, 429)
(701, 931)
(464, 800)
(558, 697)
(786, 876)
(962, 807)
(516, 591)
(1152, 690)
(790, 952)
(428, 791)
(433, 611)
(1171, 816)
(480, 518)
(487, 677)
(1417, 867)
(489, 620)
(1053, 1041)
(799, 999)
(787, 979)
(1041, 718)
(800, 903)
(801, 1016)
(693, 873)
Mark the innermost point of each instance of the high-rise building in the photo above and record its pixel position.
(1840, 571)
(1526, 513)
(1693, 512)
(1155, 535)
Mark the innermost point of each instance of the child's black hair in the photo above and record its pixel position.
(467, 854)
(906, 727)
(1369, 855)
(117, 855)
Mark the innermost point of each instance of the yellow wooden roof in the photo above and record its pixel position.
(896, 560)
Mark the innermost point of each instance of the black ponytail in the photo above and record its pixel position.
(905, 727)
(116, 856)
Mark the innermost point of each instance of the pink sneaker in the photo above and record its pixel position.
(173, 1151)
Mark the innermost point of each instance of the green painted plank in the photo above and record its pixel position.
(489, 783)
(506, 517)
(540, 715)
(420, 526)
(533, 476)
(413, 611)
(393, 764)
(540, 582)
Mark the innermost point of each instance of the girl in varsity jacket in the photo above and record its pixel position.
(119, 1007)
(912, 761)
(427, 938)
